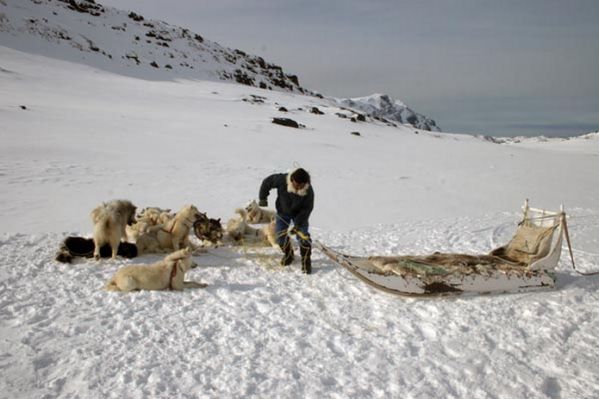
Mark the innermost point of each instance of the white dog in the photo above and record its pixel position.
(110, 220)
(256, 214)
(238, 231)
(170, 236)
(168, 273)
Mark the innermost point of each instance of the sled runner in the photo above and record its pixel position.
(526, 263)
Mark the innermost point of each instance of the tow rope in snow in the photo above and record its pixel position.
(570, 248)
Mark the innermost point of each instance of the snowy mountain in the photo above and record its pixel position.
(385, 108)
(543, 139)
(127, 43)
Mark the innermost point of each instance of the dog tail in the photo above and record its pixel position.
(101, 216)
(97, 213)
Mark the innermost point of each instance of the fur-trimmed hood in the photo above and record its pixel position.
(302, 192)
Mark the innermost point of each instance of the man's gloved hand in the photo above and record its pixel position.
(263, 203)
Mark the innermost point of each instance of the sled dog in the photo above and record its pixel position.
(170, 236)
(256, 214)
(208, 229)
(146, 218)
(168, 273)
(238, 231)
(110, 220)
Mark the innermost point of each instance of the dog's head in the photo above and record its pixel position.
(127, 209)
(190, 212)
(180, 259)
(216, 231)
(252, 207)
(208, 229)
(131, 221)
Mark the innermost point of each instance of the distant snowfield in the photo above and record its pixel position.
(258, 330)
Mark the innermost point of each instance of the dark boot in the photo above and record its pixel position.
(306, 252)
(287, 253)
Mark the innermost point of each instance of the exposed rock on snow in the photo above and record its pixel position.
(285, 122)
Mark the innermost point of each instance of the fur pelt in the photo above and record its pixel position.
(73, 247)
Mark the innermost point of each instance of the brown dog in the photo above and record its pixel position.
(172, 235)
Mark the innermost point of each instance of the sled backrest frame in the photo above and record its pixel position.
(550, 219)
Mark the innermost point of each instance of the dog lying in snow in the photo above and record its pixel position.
(168, 273)
(110, 220)
(148, 217)
(239, 232)
(256, 214)
(170, 236)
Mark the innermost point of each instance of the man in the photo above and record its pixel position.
(295, 200)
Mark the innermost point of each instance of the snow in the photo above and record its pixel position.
(87, 135)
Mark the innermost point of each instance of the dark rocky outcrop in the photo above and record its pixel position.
(285, 122)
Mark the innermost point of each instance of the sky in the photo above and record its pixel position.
(503, 68)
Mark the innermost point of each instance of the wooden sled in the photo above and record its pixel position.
(526, 263)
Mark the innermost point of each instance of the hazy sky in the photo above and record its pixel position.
(501, 67)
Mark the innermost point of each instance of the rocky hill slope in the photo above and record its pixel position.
(126, 43)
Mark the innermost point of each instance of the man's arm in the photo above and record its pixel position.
(267, 185)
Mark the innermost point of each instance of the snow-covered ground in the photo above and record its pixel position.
(73, 136)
